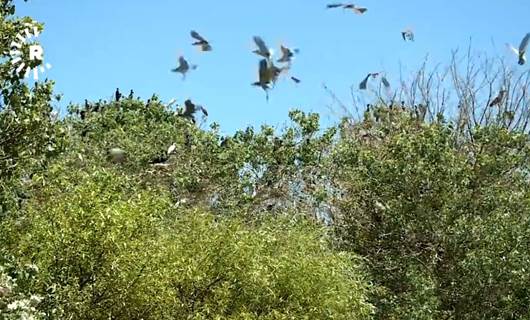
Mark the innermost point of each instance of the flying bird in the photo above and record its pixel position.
(334, 5)
(190, 109)
(262, 50)
(264, 78)
(200, 42)
(287, 54)
(408, 35)
(296, 80)
(364, 84)
(498, 99)
(183, 67)
(521, 52)
(354, 8)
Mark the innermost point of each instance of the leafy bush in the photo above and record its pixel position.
(105, 250)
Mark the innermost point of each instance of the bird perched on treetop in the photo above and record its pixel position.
(117, 94)
(499, 99)
(521, 52)
(183, 67)
(190, 109)
(201, 42)
(262, 50)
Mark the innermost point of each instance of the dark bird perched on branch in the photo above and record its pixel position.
(117, 94)
(190, 109)
(183, 67)
(131, 94)
(262, 50)
(499, 99)
(201, 42)
(521, 52)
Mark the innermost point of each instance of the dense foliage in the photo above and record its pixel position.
(393, 216)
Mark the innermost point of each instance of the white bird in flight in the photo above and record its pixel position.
(521, 52)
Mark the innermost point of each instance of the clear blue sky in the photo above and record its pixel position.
(98, 45)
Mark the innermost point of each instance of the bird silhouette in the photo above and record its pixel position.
(131, 94)
(408, 35)
(334, 5)
(296, 80)
(498, 99)
(183, 67)
(262, 50)
(190, 109)
(201, 42)
(521, 52)
(117, 94)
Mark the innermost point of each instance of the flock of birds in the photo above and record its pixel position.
(269, 72)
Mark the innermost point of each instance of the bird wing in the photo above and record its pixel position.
(261, 44)
(263, 72)
(286, 52)
(203, 109)
(385, 82)
(363, 85)
(334, 5)
(514, 50)
(524, 43)
(360, 10)
(195, 35)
